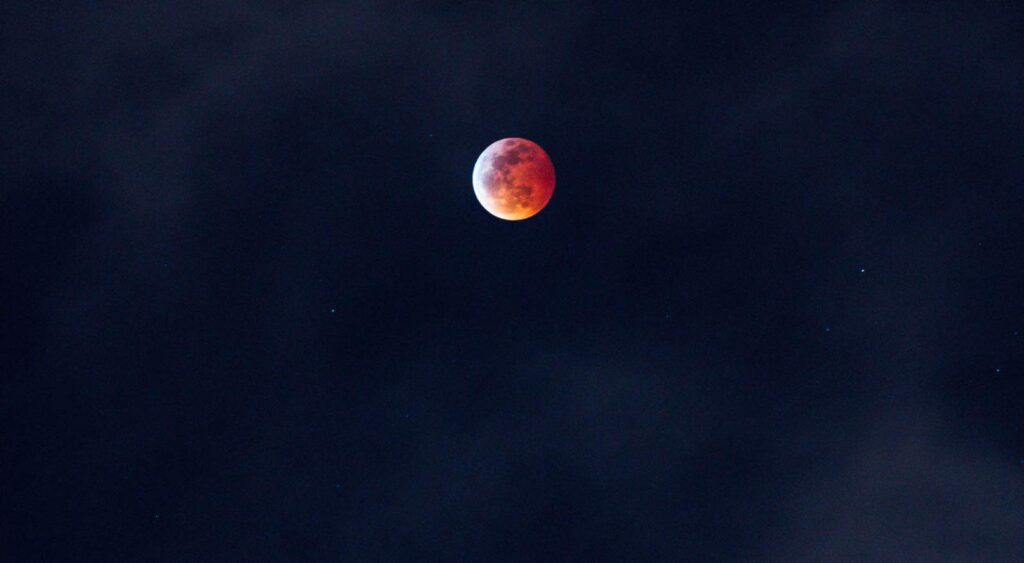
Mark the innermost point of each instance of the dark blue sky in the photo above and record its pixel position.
(254, 312)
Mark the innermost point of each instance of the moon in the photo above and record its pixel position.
(513, 179)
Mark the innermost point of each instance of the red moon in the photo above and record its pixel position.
(514, 179)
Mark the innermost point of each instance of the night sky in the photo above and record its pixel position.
(252, 310)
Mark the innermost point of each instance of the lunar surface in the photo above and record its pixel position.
(513, 179)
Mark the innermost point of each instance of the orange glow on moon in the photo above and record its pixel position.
(513, 179)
